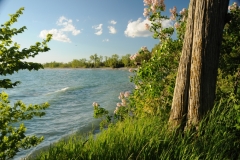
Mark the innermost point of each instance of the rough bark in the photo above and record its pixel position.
(180, 98)
(194, 92)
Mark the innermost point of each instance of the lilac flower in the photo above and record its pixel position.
(121, 95)
(137, 87)
(233, 6)
(153, 8)
(127, 94)
(95, 104)
(130, 70)
(146, 12)
(144, 48)
(147, 26)
(147, 2)
(123, 104)
(119, 105)
(162, 5)
(173, 13)
(176, 25)
(133, 57)
(183, 11)
(116, 110)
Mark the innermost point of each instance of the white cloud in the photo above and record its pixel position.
(138, 29)
(67, 25)
(57, 35)
(112, 30)
(113, 22)
(105, 40)
(167, 23)
(98, 29)
(60, 34)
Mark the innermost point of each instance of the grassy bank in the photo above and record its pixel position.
(149, 138)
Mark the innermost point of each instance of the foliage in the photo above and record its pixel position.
(155, 78)
(126, 60)
(143, 55)
(13, 138)
(95, 61)
(11, 56)
(230, 51)
(122, 111)
(102, 113)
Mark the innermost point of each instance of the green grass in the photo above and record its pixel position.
(149, 138)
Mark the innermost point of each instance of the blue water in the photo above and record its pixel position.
(70, 93)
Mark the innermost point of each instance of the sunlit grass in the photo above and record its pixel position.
(149, 138)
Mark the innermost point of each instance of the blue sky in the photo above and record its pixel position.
(83, 27)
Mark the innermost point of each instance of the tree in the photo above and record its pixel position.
(126, 60)
(113, 61)
(95, 59)
(11, 56)
(12, 60)
(75, 63)
(195, 86)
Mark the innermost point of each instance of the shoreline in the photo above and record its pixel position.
(103, 68)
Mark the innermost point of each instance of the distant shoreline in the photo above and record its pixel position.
(102, 68)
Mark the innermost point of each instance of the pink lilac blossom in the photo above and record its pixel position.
(147, 2)
(130, 70)
(146, 12)
(119, 104)
(147, 26)
(233, 6)
(95, 104)
(173, 12)
(153, 8)
(116, 110)
(153, 4)
(133, 56)
(121, 95)
(144, 48)
(176, 25)
(162, 5)
(183, 13)
(137, 87)
(124, 101)
(127, 94)
(123, 104)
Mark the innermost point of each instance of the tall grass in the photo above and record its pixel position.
(149, 138)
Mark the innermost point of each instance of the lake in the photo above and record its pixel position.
(70, 93)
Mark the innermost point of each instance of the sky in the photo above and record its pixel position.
(82, 28)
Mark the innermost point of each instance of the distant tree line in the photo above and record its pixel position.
(98, 61)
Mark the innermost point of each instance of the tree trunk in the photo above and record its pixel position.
(180, 97)
(194, 91)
